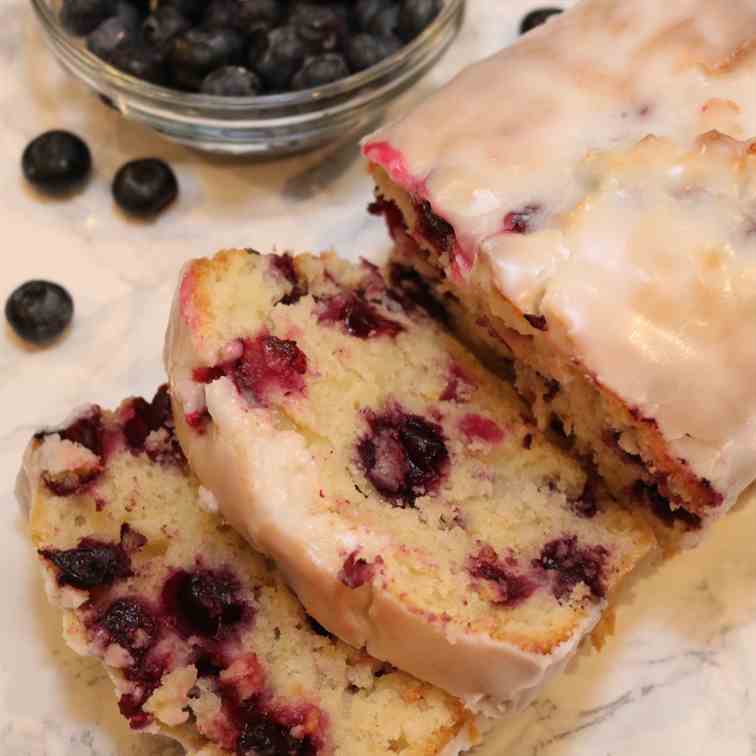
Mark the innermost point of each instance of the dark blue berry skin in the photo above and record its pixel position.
(39, 311)
(140, 60)
(537, 17)
(221, 14)
(415, 16)
(163, 25)
(282, 56)
(320, 27)
(56, 162)
(321, 70)
(385, 23)
(365, 50)
(110, 35)
(199, 51)
(192, 9)
(231, 81)
(80, 17)
(258, 15)
(144, 187)
(366, 10)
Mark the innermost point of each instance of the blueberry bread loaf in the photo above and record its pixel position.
(202, 638)
(401, 488)
(593, 223)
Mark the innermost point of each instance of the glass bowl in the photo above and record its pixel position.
(266, 125)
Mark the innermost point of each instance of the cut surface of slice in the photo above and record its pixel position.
(594, 219)
(400, 486)
(203, 640)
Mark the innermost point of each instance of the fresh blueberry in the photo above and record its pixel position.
(164, 24)
(365, 50)
(282, 56)
(320, 27)
(537, 17)
(192, 9)
(140, 60)
(109, 35)
(257, 15)
(39, 311)
(80, 17)
(231, 81)
(385, 23)
(415, 16)
(321, 70)
(221, 14)
(144, 187)
(366, 10)
(199, 51)
(56, 161)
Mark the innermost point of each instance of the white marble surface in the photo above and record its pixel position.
(676, 678)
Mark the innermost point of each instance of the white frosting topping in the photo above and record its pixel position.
(643, 263)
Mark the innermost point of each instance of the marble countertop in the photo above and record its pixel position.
(676, 679)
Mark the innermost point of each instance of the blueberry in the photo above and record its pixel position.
(109, 35)
(39, 311)
(365, 50)
(231, 81)
(221, 14)
(537, 17)
(321, 28)
(415, 16)
(192, 9)
(56, 161)
(80, 17)
(256, 15)
(164, 24)
(200, 51)
(366, 10)
(144, 187)
(282, 56)
(140, 60)
(321, 70)
(385, 23)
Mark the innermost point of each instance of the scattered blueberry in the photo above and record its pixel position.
(415, 16)
(324, 69)
(192, 9)
(220, 14)
(198, 52)
(537, 17)
(365, 50)
(164, 24)
(56, 161)
(231, 81)
(91, 564)
(81, 17)
(144, 187)
(282, 56)
(39, 311)
(365, 11)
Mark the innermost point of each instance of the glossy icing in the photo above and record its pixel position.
(640, 253)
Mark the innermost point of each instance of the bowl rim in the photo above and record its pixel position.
(314, 97)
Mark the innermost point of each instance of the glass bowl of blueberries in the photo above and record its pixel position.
(257, 77)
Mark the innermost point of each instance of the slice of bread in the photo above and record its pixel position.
(202, 638)
(400, 486)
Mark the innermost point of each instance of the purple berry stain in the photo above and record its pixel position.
(512, 587)
(355, 571)
(91, 564)
(573, 564)
(404, 456)
(358, 317)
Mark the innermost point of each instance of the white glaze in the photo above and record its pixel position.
(647, 268)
